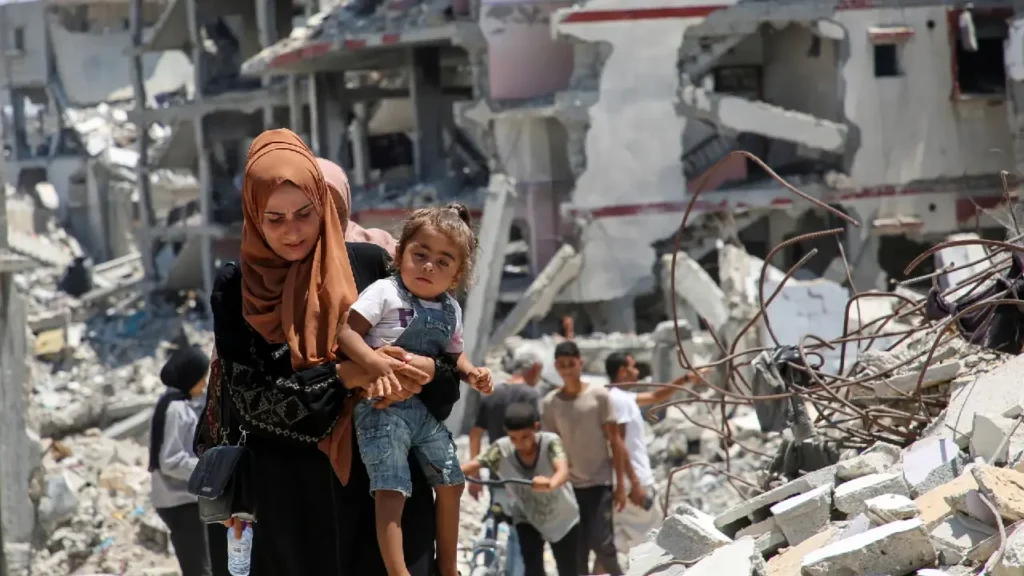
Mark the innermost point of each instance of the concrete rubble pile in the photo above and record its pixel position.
(93, 379)
(909, 460)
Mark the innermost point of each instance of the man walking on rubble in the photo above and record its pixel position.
(642, 513)
(525, 365)
(582, 415)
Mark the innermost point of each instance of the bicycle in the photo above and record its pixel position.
(488, 554)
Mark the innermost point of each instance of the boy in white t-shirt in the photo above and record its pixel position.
(413, 310)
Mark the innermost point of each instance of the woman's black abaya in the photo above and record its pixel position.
(308, 523)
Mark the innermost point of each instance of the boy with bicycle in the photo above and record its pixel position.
(546, 511)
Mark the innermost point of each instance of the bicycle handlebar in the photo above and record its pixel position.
(500, 481)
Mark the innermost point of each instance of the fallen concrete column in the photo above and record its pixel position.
(563, 268)
(694, 286)
(130, 427)
(741, 115)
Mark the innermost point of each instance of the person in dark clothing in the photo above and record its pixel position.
(291, 395)
(171, 460)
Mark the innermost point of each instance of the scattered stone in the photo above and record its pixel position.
(992, 392)
(890, 508)
(1004, 488)
(740, 558)
(894, 548)
(789, 561)
(766, 533)
(931, 462)
(934, 504)
(875, 460)
(806, 483)
(957, 535)
(646, 557)
(688, 537)
(851, 496)
(803, 516)
(988, 434)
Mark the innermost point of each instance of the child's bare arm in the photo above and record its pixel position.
(464, 365)
(351, 343)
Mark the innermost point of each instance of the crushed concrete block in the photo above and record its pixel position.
(741, 558)
(969, 502)
(894, 548)
(806, 483)
(934, 505)
(1004, 488)
(992, 392)
(859, 525)
(931, 462)
(988, 433)
(957, 535)
(803, 516)
(890, 508)
(875, 460)
(851, 496)
(788, 562)
(689, 537)
(766, 533)
(647, 557)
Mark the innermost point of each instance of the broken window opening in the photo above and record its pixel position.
(978, 57)
(18, 43)
(887, 63)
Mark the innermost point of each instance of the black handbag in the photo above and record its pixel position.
(222, 480)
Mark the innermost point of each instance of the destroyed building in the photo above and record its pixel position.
(604, 116)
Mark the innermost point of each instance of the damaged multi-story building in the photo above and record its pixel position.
(606, 115)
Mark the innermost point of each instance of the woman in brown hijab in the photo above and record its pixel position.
(276, 314)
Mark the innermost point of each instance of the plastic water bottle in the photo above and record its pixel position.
(239, 552)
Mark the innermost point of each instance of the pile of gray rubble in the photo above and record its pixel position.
(951, 503)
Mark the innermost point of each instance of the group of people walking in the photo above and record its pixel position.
(327, 347)
(582, 445)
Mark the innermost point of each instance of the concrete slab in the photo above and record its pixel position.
(1004, 489)
(934, 504)
(806, 483)
(992, 393)
(931, 462)
(688, 537)
(957, 535)
(789, 561)
(741, 558)
(894, 548)
(987, 436)
(851, 497)
(891, 508)
(803, 516)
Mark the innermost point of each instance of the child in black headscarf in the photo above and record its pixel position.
(171, 459)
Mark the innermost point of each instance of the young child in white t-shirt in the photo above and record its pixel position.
(413, 310)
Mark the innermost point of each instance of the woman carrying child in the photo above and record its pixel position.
(414, 311)
(276, 317)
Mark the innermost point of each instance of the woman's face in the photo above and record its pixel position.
(290, 223)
